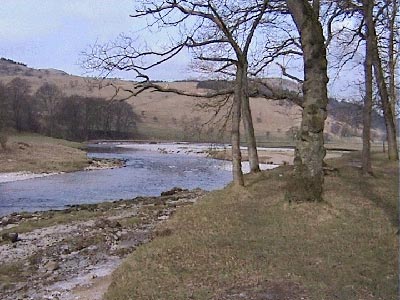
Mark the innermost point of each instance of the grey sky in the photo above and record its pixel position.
(53, 33)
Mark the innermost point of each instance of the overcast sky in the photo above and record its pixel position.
(53, 33)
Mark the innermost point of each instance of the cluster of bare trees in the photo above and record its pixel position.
(372, 32)
(17, 109)
(242, 40)
(49, 111)
(85, 118)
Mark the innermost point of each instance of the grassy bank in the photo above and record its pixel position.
(250, 244)
(36, 153)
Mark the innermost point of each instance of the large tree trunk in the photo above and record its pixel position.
(367, 109)
(383, 91)
(235, 133)
(248, 123)
(308, 178)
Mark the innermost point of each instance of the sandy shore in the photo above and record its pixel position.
(16, 176)
(94, 164)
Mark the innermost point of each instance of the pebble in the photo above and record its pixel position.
(51, 266)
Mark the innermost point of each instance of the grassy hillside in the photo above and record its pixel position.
(170, 116)
(249, 243)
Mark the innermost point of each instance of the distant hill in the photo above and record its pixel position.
(171, 116)
(351, 113)
(9, 67)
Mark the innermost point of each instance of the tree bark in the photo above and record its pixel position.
(391, 55)
(248, 121)
(316, 6)
(367, 109)
(250, 137)
(235, 133)
(383, 91)
(308, 177)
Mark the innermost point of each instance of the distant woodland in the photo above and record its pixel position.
(48, 111)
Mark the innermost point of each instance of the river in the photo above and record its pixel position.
(147, 173)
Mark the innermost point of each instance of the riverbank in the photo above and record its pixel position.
(92, 164)
(269, 158)
(249, 243)
(37, 154)
(233, 244)
(69, 254)
(32, 156)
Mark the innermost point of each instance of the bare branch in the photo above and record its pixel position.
(285, 73)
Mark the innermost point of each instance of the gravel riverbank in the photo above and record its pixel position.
(70, 254)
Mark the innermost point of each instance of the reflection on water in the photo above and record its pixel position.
(146, 174)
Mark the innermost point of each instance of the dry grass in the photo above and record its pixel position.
(36, 153)
(249, 243)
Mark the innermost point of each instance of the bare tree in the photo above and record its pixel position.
(219, 36)
(18, 91)
(383, 90)
(307, 184)
(71, 117)
(5, 113)
(353, 35)
(49, 96)
(367, 109)
(392, 15)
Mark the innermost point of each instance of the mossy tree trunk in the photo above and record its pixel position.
(308, 177)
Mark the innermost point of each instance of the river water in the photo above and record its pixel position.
(147, 173)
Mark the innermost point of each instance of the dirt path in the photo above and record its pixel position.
(74, 259)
